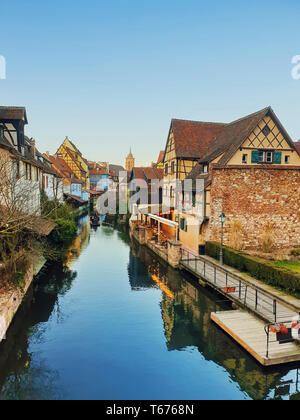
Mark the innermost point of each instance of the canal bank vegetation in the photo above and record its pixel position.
(21, 224)
(273, 273)
(65, 230)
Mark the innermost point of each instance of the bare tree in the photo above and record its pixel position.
(20, 211)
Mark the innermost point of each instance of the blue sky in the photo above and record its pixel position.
(112, 74)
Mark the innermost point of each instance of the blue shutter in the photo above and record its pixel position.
(255, 156)
(277, 157)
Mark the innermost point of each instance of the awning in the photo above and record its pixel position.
(163, 220)
(75, 198)
(42, 226)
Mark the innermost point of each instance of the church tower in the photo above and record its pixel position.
(129, 162)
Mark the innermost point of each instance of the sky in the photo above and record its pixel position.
(112, 74)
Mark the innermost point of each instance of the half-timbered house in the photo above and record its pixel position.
(250, 172)
(74, 159)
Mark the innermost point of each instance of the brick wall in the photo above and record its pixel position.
(257, 203)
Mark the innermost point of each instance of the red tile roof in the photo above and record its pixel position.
(98, 171)
(62, 168)
(193, 138)
(161, 157)
(147, 173)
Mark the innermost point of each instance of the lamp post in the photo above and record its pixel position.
(222, 220)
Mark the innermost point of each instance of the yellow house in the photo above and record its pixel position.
(250, 172)
(74, 159)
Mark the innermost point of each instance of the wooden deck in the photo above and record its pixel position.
(248, 331)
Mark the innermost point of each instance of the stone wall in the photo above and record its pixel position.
(260, 204)
(10, 302)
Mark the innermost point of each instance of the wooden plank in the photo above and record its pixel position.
(248, 332)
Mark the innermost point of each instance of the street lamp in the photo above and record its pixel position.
(222, 220)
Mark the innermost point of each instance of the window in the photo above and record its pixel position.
(245, 157)
(1, 132)
(194, 199)
(286, 159)
(173, 167)
(261, 156)
(269, 157)
(17, 169)
(205, 169)
(166, 169)
(183, 224)
(266, 131)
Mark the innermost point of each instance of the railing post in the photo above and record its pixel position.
(204, 268)
(275, 309)
(246, 290)
(268, 337)
(215, 275)
(240, 290)
(256, 299)
(226, 279)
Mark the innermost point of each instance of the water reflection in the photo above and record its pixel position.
(21, 375)
(27, 371)
(186, 309)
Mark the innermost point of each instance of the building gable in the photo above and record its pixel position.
(267, 137)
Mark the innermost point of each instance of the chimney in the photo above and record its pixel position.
(32, 148)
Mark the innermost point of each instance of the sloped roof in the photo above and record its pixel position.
(117, 169)
(13, 113)
(235, 134)
(192, 138)
(161, 157)
(147, 173)
(297, 146)
(98, 171)
(75, 198)
(153, 173)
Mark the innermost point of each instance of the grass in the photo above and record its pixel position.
(288, 265)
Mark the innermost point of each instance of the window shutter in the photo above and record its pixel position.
(181, 224)
(255, 156)
(277, 157)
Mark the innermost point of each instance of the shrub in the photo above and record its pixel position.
(267, 238)
(260, 269)
(64, 232)
(236, 234)
(296, 252)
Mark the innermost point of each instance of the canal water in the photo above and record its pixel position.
(113, 322)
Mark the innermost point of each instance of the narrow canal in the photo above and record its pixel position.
(115, 323)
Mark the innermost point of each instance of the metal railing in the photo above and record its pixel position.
(237, 289)
(281, 337)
